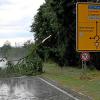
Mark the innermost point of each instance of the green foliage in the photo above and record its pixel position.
(34, 62)
(5, 50)
(28, 64)
(25, 66)
(53, 19)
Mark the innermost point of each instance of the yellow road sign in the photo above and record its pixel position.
(88, 27)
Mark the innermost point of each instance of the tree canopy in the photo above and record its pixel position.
(58, 19)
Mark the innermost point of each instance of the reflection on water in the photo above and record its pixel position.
(17, 89)
(3, 62)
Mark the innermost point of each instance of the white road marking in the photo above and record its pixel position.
(59, 89)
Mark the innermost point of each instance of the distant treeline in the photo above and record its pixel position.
(15, 53)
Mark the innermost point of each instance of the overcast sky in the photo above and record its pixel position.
(16, 18)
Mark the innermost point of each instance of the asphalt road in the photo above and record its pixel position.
(33, 88)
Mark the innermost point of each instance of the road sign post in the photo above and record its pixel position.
(88, 27)
(85, 56)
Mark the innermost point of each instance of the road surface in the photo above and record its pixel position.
(33, 88)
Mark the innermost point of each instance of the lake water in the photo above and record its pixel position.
(3, 64)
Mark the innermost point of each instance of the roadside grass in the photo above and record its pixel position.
(69, 77)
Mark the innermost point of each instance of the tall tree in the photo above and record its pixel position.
(5, 49)
(53, 19)
(58, 19)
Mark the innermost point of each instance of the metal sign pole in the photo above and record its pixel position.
(82, 74)
(84, 70)
(82, 65)
(85, 56)
(85, 67)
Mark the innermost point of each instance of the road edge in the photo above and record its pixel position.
(70, 92)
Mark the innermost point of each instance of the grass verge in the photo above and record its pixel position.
(69, 77)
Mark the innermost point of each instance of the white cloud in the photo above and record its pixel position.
(16, 17)
(19, 9)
